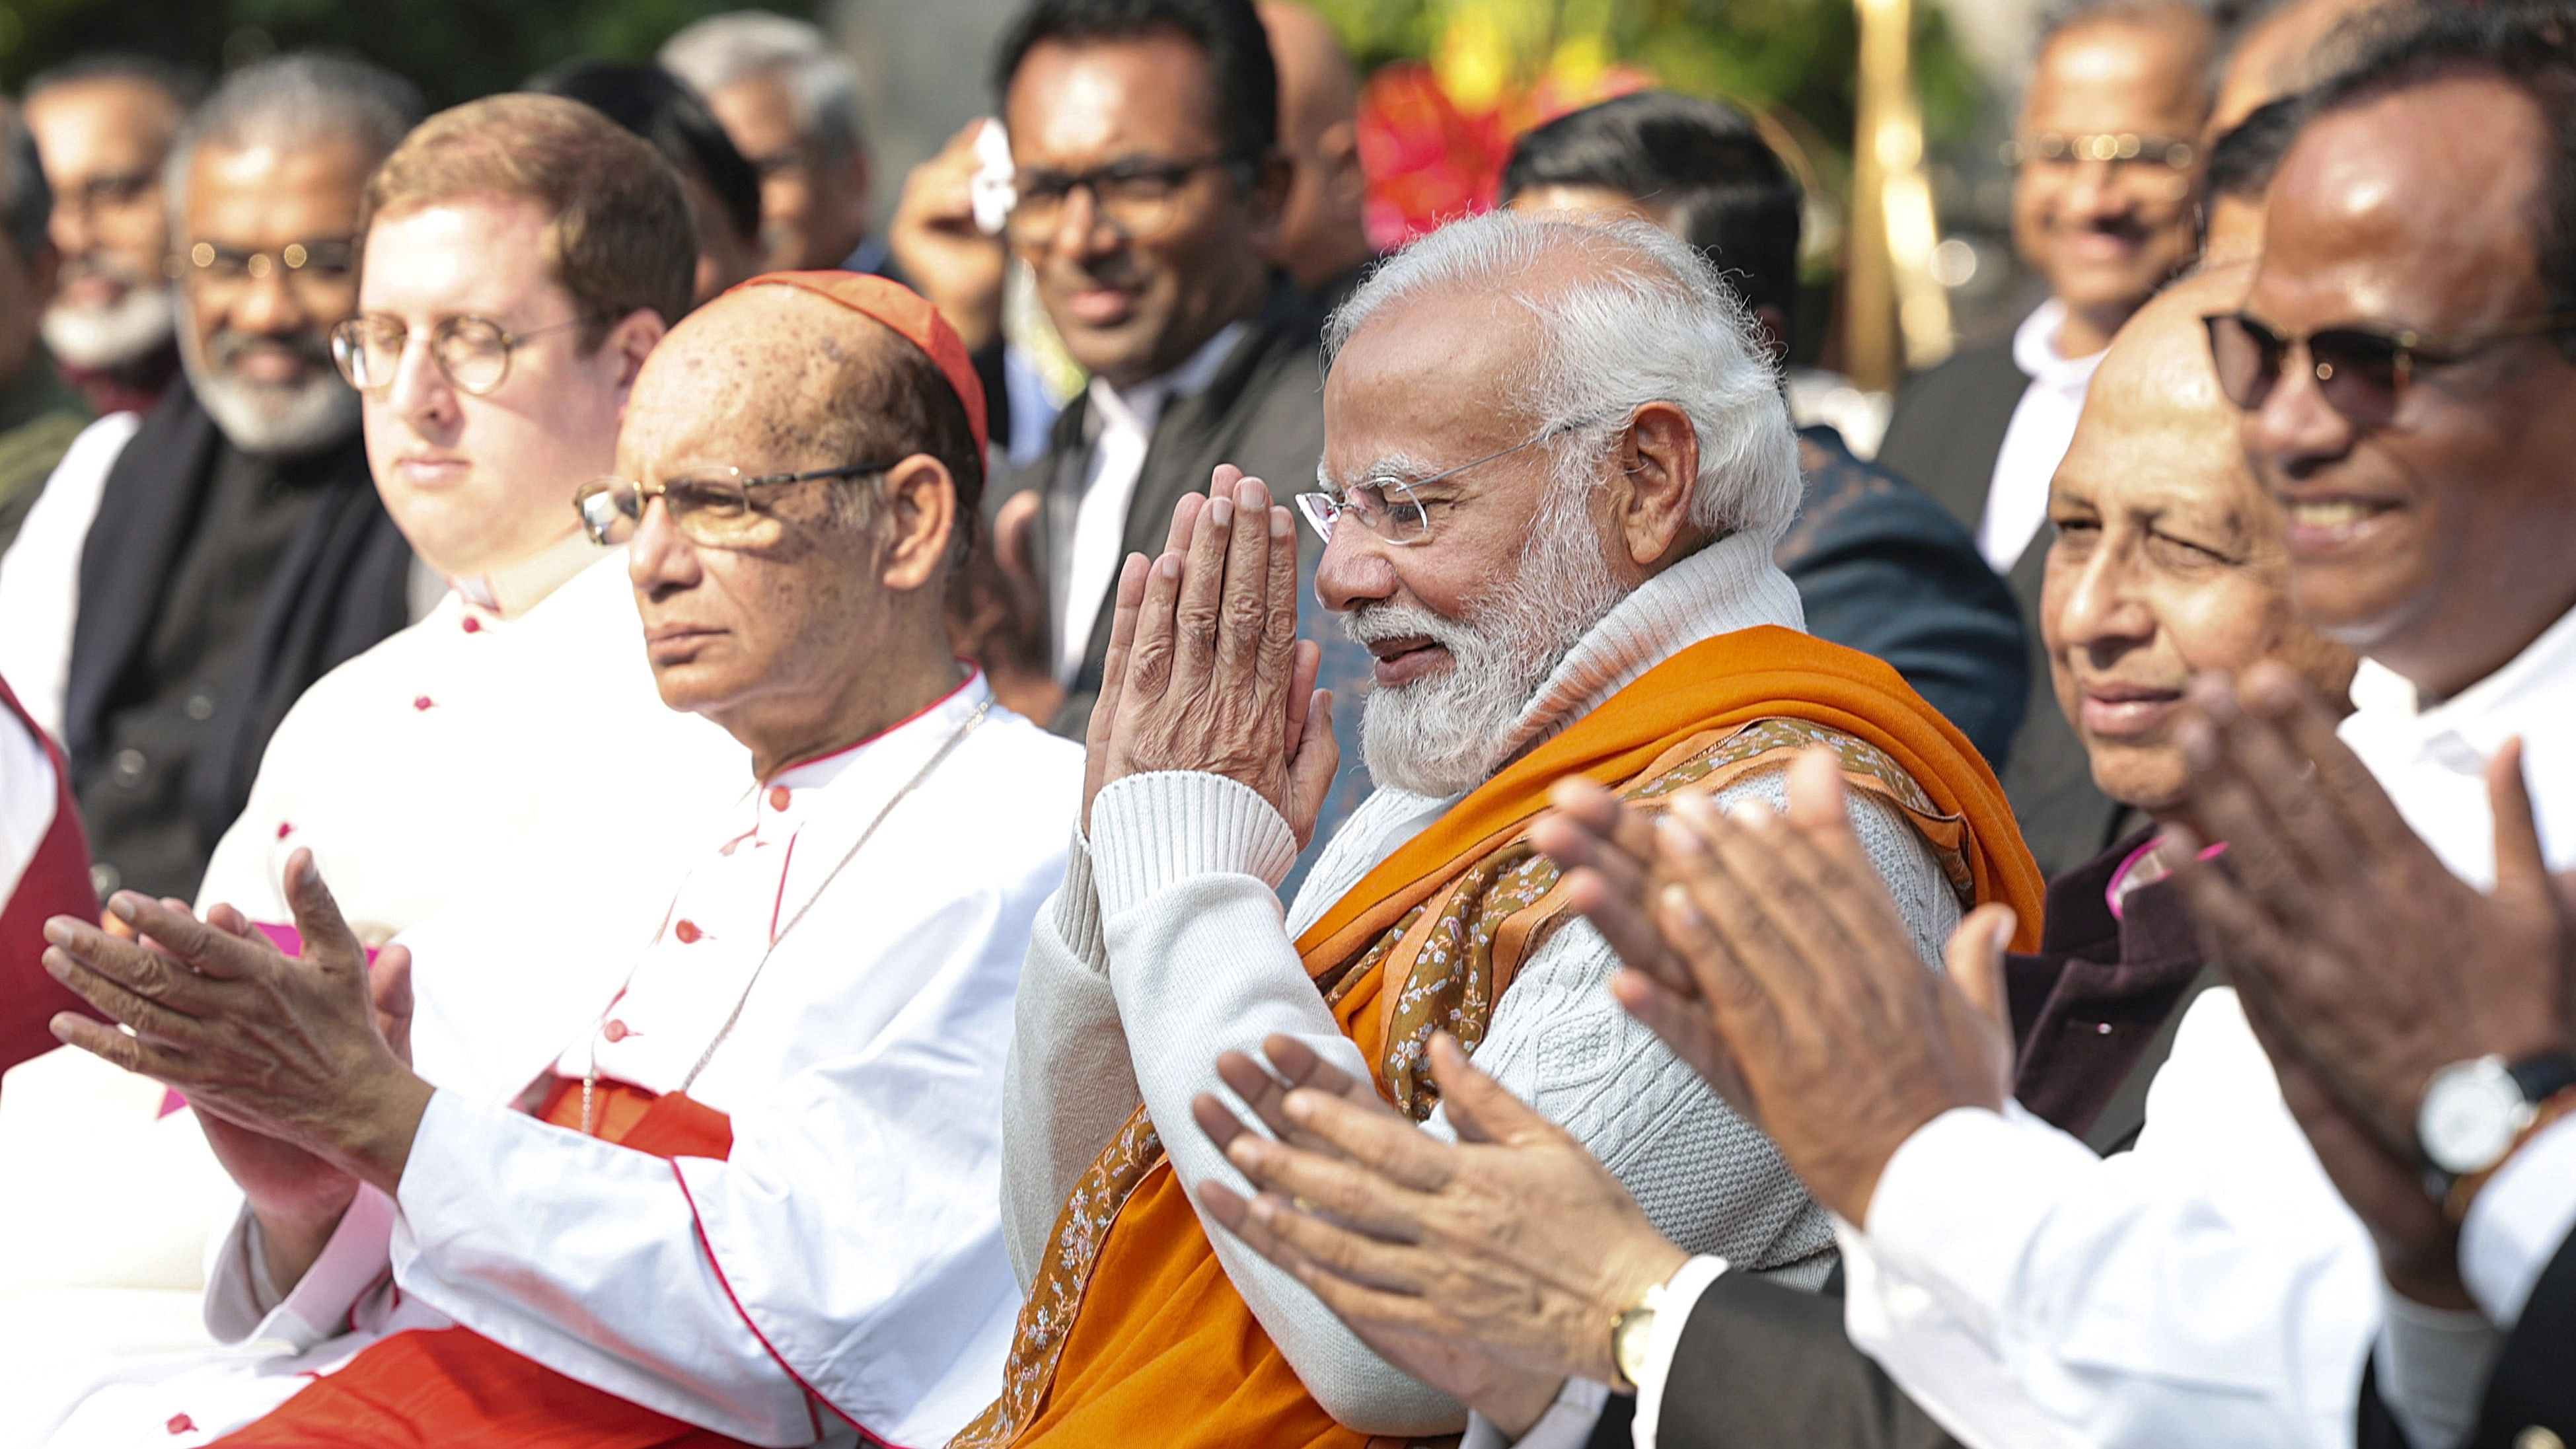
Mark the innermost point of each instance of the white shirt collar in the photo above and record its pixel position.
(1136, 408)
(520, 585)
(2432, 758)
(2034, 351)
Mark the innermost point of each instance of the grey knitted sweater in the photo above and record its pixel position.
(1166, 945)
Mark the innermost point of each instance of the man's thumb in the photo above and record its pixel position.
(1480, 1110)
(1975, 962)
(2520, 867)
(317, 916)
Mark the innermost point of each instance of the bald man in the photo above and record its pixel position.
(1322, 241)
(756, 1193)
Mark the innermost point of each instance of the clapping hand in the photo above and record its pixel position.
(2364, 964)
(290, 1049)
(1779, 967)
(1205, 671)
(1447, 1259)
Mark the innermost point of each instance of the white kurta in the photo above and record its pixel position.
(452, 771)
(2210, 1286)
(846, 1262)
(40, 575)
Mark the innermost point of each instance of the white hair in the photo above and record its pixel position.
(292, 101)
(1647, 320)
(722, 49)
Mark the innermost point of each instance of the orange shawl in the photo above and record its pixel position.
(1133, 1333)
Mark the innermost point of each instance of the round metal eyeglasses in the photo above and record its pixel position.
(472, 353)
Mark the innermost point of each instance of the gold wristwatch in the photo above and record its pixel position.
(1631, 1331)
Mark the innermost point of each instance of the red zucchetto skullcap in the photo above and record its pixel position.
(912, 318)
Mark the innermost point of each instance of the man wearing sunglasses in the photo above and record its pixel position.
(2408, 400)
(239, 551)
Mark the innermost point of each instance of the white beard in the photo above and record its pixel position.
(1447, 734)
(271, 419)
(110, 336)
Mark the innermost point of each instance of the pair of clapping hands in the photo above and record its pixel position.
(1765, 952)
(1763, 949)
(1205, 670)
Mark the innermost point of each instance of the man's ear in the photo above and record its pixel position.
(921, 501)
(630, 342)
(1657, 461)
(1267, 201)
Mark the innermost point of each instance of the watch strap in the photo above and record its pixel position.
(2459, 1192)
(2544, 1076)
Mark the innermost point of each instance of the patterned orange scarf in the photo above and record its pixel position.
(1133, 1334)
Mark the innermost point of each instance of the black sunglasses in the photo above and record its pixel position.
(2361, 373)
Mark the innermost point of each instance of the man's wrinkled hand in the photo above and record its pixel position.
(1839, 1043)
(2344, 931)
(1209, 674)
(291, 1049)
(1448, 1259)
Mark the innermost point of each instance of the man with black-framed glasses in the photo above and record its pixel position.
(1148, 185)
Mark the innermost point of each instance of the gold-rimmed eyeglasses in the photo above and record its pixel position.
(471, 352)
(2159, 164)
(1391, 508)
(214, 267)
(712, 506)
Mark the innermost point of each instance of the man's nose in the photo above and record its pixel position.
(1354, 570)
(659, 558)
(2100, 612)
(420, 391)
(270, 307)
(2095, 193)
(1081, 231)
(2296, 428)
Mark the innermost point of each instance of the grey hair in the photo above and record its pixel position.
(722, 49)
(1648, 320)
(26, 202)
(293, 101)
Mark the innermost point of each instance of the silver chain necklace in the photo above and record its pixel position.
(590, 1078)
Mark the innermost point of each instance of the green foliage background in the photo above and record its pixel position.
(1797, 57)
(454, 49)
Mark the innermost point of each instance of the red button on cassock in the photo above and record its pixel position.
(778, 797)
(423, 702)
(687, 931)
(473, 625)
(181, 1424)
(614, 1031)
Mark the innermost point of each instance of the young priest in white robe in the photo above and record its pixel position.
(486, 742)
(753, 1189)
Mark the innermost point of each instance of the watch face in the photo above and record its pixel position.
(2470, 1115)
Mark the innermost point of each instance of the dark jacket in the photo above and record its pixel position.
(342, 585)
(1948, 427)
(1882, 569)
(2095, 1008)
(1262, 412)
(2533, 1384)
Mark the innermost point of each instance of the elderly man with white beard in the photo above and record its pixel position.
(1555, 467)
